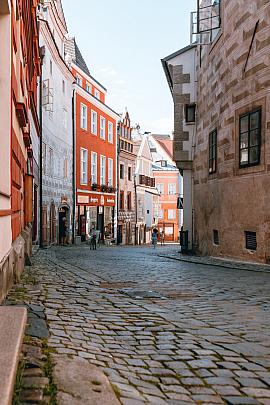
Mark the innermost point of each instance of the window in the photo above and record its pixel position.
(63, 86)
(110, 132)
(122, 171)
(79, 80)
(102, 127)
(65, 168)
(164, 163)
(160, 188)
(171, 214)
(88, 88)
(215, 237)
(97, 94)
(83, 166)
(129, 174)
(251, 240)
(50, 67)
(213, 152)
(190, 110)
(83, 116)
(160, 213)
(110, 172)
(121, 200)
(94, 122)
(102, 170)
(51, 162)
(44, 157)
(93, 167)
(250, 138)
(129, 201)
(172, 189)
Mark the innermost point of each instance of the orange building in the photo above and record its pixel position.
(168, 184)
(96, 153)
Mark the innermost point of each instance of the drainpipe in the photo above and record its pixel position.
(42, 49)
(74, 166)
(118, 183)
(136, 210)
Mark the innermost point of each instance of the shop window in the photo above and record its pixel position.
(250, 138)
(213, 151)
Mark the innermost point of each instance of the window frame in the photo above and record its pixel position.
(212, 152)
(93, 112)
(102, 159)
(102, 119)
(174, 214)
(123, 173)
(122, 200)
(129, 173)
(82, 182)
(187, 107)
(88, 86)
(97, 94)
(110, 133)
(129, 201)
(160, 188)
(173, 185)
(110, 172)
(249, 131)
(94, 172)
(83, 106)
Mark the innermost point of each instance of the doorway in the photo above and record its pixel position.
(63, 226)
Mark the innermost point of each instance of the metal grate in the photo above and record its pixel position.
(215, 237)
(251, 240)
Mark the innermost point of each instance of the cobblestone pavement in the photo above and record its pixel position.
(165, 332)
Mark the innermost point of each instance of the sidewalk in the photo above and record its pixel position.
(218, 262)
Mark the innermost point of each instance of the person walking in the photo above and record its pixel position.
(63, 231)
(154, 237)
(93, 240)
(162, 238)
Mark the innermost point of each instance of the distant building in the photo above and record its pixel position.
(96, 152)
(19, 129)
(146, 194)
(57, 141)
(224, 145)
(126, 190)
(169, 185)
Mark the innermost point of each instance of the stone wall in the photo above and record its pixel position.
(233, 81)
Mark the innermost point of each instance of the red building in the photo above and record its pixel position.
(96, 152)
(19, 130)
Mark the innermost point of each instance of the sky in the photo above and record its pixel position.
(122, 42)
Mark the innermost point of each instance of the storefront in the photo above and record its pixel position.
(96, 211)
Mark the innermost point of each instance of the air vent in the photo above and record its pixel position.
(251, 240)
(215, 237)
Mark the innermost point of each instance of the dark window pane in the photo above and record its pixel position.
(190, 113)
(244, 141)
(254, 120)
(254, 138)
(244, 124)
(244, 156)
(254, 155)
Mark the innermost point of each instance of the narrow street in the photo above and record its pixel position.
(163, 331)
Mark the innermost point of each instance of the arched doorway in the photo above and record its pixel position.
(64, 224)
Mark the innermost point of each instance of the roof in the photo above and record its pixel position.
(73, 50)
(166, 143)
(165, 61)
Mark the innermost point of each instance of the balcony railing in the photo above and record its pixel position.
(146, 181)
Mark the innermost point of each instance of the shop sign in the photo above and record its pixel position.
(83, 199)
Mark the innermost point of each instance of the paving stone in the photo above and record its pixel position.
(231, 400)
(257, 392)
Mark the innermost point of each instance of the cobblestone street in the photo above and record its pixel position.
(164, 332)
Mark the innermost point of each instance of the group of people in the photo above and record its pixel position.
(155, 237)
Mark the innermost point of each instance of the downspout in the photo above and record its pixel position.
(118, 183)
(136, 211)
(40, 152)
(74, 166)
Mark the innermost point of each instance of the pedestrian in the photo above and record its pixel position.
(93, 240)
(154, 237)
(162, 238)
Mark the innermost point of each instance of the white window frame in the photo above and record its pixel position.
(94, 167)
(79, 80)
(83, 118)
(97, 94)
(110, 132)
(171, 189)
(94, 124)
(102, 129)
(171, 214)
(83, 173)
(110, 172)
(160, 188)
(102, 170)
(88, 88)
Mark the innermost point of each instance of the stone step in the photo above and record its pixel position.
(12, 327)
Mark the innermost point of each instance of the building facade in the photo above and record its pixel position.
(19, 128)
(146, 194)
(126, 191)
(169, 185)
(96, 152)
(57, 131)
(231, 143)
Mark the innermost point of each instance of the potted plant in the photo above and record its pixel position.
(104, 188)
(94, 186)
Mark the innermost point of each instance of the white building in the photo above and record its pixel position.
(57, 136)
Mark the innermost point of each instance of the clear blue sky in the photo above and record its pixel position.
(122, 42)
